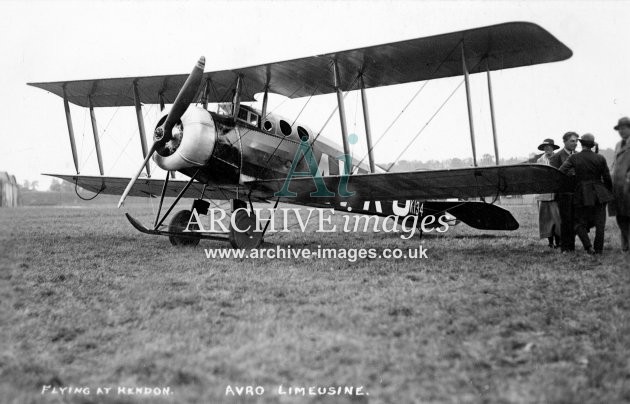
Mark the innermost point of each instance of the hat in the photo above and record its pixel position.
(548, 142)
(587, 140)
(625, 121)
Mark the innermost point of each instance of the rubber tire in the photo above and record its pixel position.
(247, 240)
(178, 224)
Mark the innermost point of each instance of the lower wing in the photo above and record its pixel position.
(421, 185)
(520, 179)
(148, 187)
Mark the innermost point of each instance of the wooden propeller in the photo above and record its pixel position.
(164, 133)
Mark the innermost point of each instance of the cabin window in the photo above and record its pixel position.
(248, 116)
(268, 126)
(302, 133)
(253, 119)
(285, 128)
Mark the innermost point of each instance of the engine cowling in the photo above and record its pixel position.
(192, 144)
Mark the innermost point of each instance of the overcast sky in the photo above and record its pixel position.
(54, 40)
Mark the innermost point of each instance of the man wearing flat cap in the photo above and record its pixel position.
(593, 191)
(549, 223)
(621, 182)
(565, 199)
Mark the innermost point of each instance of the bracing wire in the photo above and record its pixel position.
(102, 134)
(334, 110)
(123, 151)
(214, 89)
(430, 119)
(425, 125)
(283, 101)
(409, 102)
(402, 111)
(304, 107)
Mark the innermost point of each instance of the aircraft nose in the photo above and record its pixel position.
(192, 143)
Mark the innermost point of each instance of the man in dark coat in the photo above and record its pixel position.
(565, 199)
(593, 191)
(621, 182)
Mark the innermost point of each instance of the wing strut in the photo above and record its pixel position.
(159, 211)
(265, 97)
(468, 102)
(73, 146)
(179, 196)
(368, 129)
(236, 101)
(342, 118)
(97, 143)
(206, 93)
(494, 126)
(264, 105)
(143, 137)
(161, 97)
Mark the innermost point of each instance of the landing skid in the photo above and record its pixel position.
(197, 235)
(181, 221)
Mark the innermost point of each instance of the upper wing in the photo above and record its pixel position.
(502, 46)
(147, 187)
(426, 185)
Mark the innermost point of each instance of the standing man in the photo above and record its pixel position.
(592, 193)
(621, 182)
(565, 199)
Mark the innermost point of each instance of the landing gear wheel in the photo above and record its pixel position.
(178, 225)
(248, 239)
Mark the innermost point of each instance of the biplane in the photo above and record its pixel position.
(244, 155)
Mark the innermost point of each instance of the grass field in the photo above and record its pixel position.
(492, 317)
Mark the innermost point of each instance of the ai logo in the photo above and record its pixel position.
(322, 191)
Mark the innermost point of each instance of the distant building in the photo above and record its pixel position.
(9, 190)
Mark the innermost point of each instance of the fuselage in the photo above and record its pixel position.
(251, 147)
